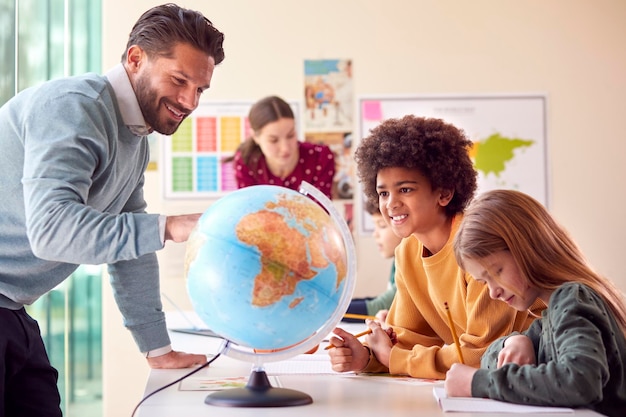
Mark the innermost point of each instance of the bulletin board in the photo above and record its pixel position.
(508, 131)
(193, 156)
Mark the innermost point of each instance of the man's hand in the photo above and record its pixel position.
(175, 360)
(178, 228)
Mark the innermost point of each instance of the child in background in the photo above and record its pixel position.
(387, 241)
(420, 173)
(273, 155)
(575, 355)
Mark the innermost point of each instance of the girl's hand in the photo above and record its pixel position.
(517, 349)
(458, 381)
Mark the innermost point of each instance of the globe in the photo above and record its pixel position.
(271, 270)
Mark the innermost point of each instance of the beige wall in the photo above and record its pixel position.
(571, 50)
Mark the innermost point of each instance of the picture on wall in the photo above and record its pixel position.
(328, 95)
(508, 131)
(328, 116)
(340, 143)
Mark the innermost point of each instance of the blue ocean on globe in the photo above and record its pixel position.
(265, 267)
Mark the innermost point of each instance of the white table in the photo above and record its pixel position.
(334, 395)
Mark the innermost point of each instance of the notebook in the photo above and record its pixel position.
(486, 405)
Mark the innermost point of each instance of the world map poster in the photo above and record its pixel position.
(508, 131)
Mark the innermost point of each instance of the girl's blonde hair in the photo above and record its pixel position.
(508, 220)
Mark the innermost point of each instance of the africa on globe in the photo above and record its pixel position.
(266, 267)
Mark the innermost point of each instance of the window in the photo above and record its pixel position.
(45, 39)
(41, 40)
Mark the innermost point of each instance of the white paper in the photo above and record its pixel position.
(301, 364)
(485, 405)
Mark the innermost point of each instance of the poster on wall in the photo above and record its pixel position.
(508, 131)
(340, 143)
(328, 95)
(328, 116)
(193, 157)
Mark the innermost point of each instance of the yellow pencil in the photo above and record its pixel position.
(358, 316)
(363, 333)
(454, 335)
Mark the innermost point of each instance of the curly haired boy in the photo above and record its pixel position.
(419, 172)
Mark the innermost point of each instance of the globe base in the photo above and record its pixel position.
(258, 392)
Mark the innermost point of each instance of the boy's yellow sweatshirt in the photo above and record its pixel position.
(425, 347)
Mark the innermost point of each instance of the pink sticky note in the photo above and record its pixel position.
(372, 110)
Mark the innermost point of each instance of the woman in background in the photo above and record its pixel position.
(273, 155)
(575, 354)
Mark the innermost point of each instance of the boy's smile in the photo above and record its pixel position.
(409, 204)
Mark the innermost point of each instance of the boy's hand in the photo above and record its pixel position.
(348, 354)
(380, 341)
(381, 316)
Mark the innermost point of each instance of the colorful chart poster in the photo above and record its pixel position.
(194, 155)
(508, 131)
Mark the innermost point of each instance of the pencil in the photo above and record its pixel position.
(363, 333)
(358, 316)
(454, 335)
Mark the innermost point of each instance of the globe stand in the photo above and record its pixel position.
(258, 392)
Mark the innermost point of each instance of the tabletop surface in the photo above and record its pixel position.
(333, 394)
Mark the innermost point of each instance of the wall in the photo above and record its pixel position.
(571, 50)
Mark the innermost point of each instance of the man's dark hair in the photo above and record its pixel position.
(161, 28)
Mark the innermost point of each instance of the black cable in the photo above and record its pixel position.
(176, 381)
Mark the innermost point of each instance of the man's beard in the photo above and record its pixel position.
(149, 104)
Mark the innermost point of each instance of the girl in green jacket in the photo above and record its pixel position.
(575, 354)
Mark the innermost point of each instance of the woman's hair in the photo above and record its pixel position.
(161, 28)
(265, 111)
(508, 220)
(439, 150)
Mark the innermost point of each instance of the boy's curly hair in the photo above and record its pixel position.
(439, 150)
